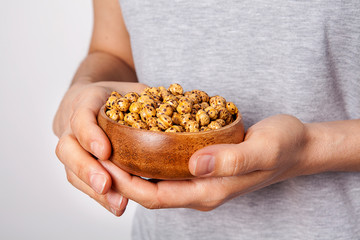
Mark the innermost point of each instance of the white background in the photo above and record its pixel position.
(41, 44)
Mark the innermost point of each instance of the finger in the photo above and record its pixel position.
(112, 200)
(229, 159)
(201, 194)
(84, 124)
(82, 164)
(166, 194)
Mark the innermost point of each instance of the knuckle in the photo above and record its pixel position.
(61, 146)
(234, 164)
(153, 205)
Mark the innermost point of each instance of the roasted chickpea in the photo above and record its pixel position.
(204, 129)
(184, 107)
(164, 121)
(217, 100)
(169, 97)
(145, 91)
(197, 106)
(192, 126)
(132, 96)
(121, 122)
(155, 129)
(224, 114)
(195, 98)
(212, 112)
(147, 111)
(110, 103)
(204, 96)
(145, 98)
(176, 89)
(122, 104)
(202, 118)
(113, 114)
(165, 108)
(187, 93)
(164, 93)
(184, 99)
(204, 105)
(171, 129)
(135, 107)
(214, 125)
(139, 124)
(176, 118)
(116, 94)
(230, 106)
(151, 122)
(172, 103)
(221, 122)
(185, 118)
(161, 88)
(130, 118)
(178, 128)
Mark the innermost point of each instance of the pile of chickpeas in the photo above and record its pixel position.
(171, 110)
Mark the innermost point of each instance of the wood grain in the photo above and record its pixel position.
(161, 155)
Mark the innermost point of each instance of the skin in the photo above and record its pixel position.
(275, 149)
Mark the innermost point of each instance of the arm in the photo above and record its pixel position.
(107, 67)
(274, 149)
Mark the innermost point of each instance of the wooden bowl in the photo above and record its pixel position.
(161, 155)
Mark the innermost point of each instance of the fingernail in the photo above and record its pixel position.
(115, 201)
(98, 182)
(96, 148)
(204, 164)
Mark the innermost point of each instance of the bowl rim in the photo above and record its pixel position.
(103, 114)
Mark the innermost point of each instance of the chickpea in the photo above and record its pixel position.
(139, 124)
(195, 98)
(204, 105)
(176, 89)
(184, 99)
(169, 97)
(132, 96)
(121, 122)
(172, 103)
(164, 93)
(147, 111)
(113, 114)
(130, 118)
(176, 118)
(145, 91)
(202, 118)
(217, 100)
(224, 114)
(185, 118)
(151, 122)
(192, 126)
(187, 93)
(171, 129)
(161, 88)
(197, 106)
(110, 103)
(204, 96)
(122, 104)
(145, 98)
(178, 128)
(165, 108)
(154, 91)
(164, 121)
(116, 94)
(155, 129)
(230, 106)
(184, 107)
(214, 125)
(204, 129)
(221, 122)
(135, 107)
(212, 112)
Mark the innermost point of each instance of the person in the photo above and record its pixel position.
(293, 70)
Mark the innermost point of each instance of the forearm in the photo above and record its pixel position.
(101, 66)
(332, 146)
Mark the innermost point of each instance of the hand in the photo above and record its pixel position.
(271, 152)
(80, 139)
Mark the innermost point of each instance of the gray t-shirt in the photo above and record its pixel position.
(269, 57)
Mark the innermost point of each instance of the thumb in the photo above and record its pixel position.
(224, 160)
